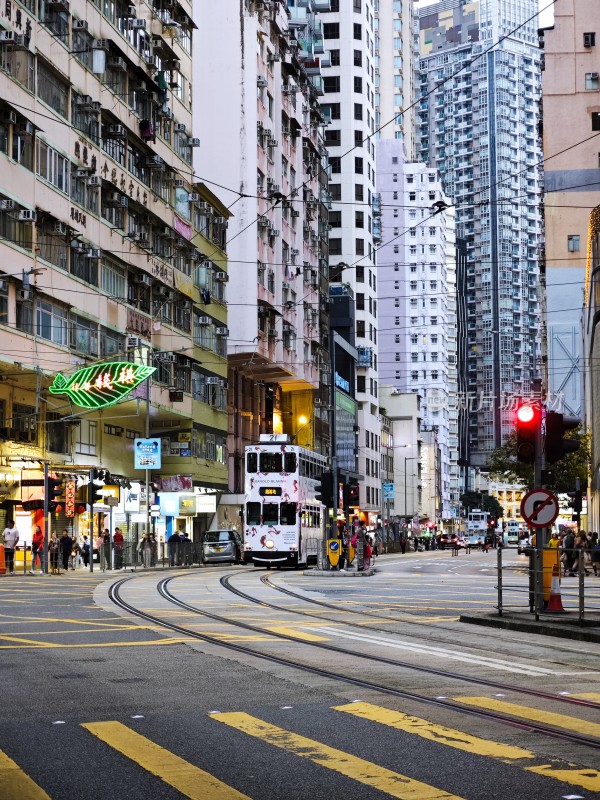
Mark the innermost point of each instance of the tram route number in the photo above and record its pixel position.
(270, 491)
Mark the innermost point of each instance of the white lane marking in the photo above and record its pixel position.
(454, 655)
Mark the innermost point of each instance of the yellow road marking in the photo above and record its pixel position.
(310, 637)
(580, 726)
(191, 781)
(16, 783)
(588, 779)
(350, 766)
(594, 696)
(435, 733)
(152, 643)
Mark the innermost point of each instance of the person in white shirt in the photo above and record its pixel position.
(10, 536)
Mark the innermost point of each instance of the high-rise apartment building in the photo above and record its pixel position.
(258, 73)
(349, 104)
(477, 124)
(570, 85)
(103, 230)
(417, 305)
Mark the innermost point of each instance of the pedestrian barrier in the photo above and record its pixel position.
(2, 561)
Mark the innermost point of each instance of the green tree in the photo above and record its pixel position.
(503, 464)
(484, 502)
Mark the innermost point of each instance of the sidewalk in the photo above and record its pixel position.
(563, 626)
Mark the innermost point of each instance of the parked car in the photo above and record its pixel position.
(447, 540)
(223, 545)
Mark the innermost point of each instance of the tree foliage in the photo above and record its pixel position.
(504, 466)
(484, 502)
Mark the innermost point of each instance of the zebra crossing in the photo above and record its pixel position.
(193, 782)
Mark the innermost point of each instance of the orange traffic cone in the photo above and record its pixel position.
(555, 603)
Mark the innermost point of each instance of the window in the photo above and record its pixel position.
(412, 196)
(52, 166)
(335, 190)
(573, 244)
(51, 322)
(331, 30)
(24, 421)
(589, 39)
(85, 443)
(414, 376)
(357, 31)
(356, 5)
(84, 335)
(334, 110)
(358, 166)
(358, 109)
(335, 247)
(335, 219)
(359, 193)
(52, 90)
(358, 58)
(360, 247)
(591, 81)
(359, 219)
(358, 84)
(596, 120)
(331, 83)
(56, 433)
(358, 138)
(334, 56)
(333, 138)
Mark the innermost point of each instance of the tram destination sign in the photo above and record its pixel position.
(101, 385)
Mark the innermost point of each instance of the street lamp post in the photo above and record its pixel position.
(406, 459)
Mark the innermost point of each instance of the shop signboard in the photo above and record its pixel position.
(101, 385)
(147, 453)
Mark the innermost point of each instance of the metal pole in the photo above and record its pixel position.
(46, 521)
(332, 439)
(499, 561)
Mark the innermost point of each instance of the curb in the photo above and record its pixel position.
(562, 631)
(338, 573)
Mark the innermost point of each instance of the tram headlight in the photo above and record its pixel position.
(269, 543)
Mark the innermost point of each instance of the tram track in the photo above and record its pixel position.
(488, 715)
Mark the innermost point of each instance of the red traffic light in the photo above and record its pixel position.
(525, 414)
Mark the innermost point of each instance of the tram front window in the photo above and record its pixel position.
(253, 513)
(271, 462)
(290, 462)
(270, 514)
(288, 513)
(252, 462)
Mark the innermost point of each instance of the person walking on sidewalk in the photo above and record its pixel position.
(85, 551)
(66, 547)
(10, 537)
(37, 550)
(119, 542)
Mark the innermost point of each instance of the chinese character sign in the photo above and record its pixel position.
(102, 384)
(147, 454)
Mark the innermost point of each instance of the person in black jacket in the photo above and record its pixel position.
(66, 547)
(173, 541)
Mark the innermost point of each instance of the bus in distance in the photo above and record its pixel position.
(284, 524)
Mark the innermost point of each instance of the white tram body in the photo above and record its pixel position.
(283, 523)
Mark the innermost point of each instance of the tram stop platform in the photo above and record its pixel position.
(562, 626)
(339, 573)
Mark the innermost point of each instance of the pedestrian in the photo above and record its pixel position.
(154, 544)
(85, 551)
(119, 542)
(105, 550)
(10, 537)
(403, 542)
(569, 552)
(75, 554)
(66, 547)
(145, 550)
(37, 549)
(173, 546)
(595, 554)
(581, 548)
(53, 551)
(368, 553)
(186, 549)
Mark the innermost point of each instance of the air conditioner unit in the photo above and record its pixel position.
(181, 243)
(24, 294)
(80, 25)
(27, 215)
(60, 227)
(144, 279)
(157, 42)
(101, 44)
(212, 381)
(132, 342)
(222, 331)
(7, 36)
(59, 5)
(167, 358)
(97, 106)
(285, 131)
(588, 39)
(117, 199)
(272, 332)
(204, 321)
(194, 197)
(139, 24)
(263, 222)
(117, 63)
(164, 291)
(295, 252)
(83, 100)
(593, 76)
(27, 127)
(116, 132)
(274, 233)
(223, 277)
(173, 65)
(141, 86)
(131, 12)
(179, 183)
(262, 81)
(295, 213)
(272, 57)
(94, 252)
(7, 205)
(193, 141)
(186, 363)
(95, 180)
(167, 233)
(285, 285)
(155, 162)
(10, 117)
(180, 127)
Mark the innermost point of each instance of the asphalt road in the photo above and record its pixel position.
(98, 704)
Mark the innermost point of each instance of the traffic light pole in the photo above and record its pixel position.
(46, 519)
(541, 535)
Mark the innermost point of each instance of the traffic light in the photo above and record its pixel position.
(54, 488)
(94, 491)
(556, 446)
(528, 425)
(324, 489)
(576, 501)
(352, 494)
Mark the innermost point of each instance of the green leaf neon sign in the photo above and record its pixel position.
(101, 385)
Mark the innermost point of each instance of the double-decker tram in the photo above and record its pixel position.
(284, 524)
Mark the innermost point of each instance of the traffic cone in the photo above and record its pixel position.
(555, 603)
